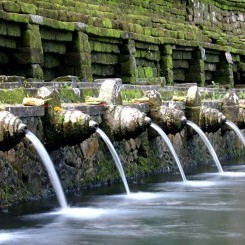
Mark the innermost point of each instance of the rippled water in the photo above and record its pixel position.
(208, 209)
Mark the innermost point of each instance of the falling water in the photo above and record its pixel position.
(171, 148)
(207, 143)
(237, 130)
(115, 157)
(49, 167)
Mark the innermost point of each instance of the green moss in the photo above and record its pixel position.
(106, 23)
(149, 73)
(129, 95)
(67, 95)
(11, 7)
(168, 95)
(27, 8)
(12, 96)
(90, 92)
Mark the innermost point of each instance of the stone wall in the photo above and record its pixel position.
(150, 42)
(89, 164)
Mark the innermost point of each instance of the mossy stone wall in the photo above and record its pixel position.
(100, 39)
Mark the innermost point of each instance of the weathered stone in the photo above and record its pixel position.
(124, 122)
(110, 92)
(12, 130)
(193, 97)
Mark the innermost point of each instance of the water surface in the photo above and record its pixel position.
(211, 210)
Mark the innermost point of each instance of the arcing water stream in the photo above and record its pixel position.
(49, 167)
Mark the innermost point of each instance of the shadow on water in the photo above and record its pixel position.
(158, 209)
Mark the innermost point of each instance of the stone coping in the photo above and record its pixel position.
(94, 110)
(38, 111)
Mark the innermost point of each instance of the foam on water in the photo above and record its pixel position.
(201, 183)
(233, 174)
(144, 195)
(7, 237)
(85, 213)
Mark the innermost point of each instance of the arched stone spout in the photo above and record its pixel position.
(171, 120)
(12, 130)
(125, 122)
(62, 127)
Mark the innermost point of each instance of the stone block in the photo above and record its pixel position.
(179, 74)
(54, 47)
(13, 30)
(28, 8)
(3, 29)
(11, 7)
(27, 55)
(7, 43)
(51, 61)
(31, 37)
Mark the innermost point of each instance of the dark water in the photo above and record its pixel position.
(209, 209)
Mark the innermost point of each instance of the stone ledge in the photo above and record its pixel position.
(25, 111)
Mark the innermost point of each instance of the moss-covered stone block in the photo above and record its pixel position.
(7, 42)
(167, 62)
(31, 37)
(3, 29)
(169, 75)
(11, 6)
(13, 30)
(28, 8)
(54, 47)
(36, 71)
(106, 23)
(15, 17)
(149, 73)
(51, 61)
(81, 43)
(69, 95)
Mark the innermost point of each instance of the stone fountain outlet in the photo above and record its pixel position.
(12, 130)
(63, 127)
(120, 122)
(171, 120)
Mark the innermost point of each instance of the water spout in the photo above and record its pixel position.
(49, 167)
(171, 148)
(115, 157)
(237, 130)
(207, 143)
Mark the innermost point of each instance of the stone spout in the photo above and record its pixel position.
(12, 130)
(63, 127)
(171, 120)
(124, 122)
(211, 119)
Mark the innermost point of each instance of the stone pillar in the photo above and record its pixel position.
(81, 56)
(166, 63)
(196, 72)
(30, 53)
(128, 66)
